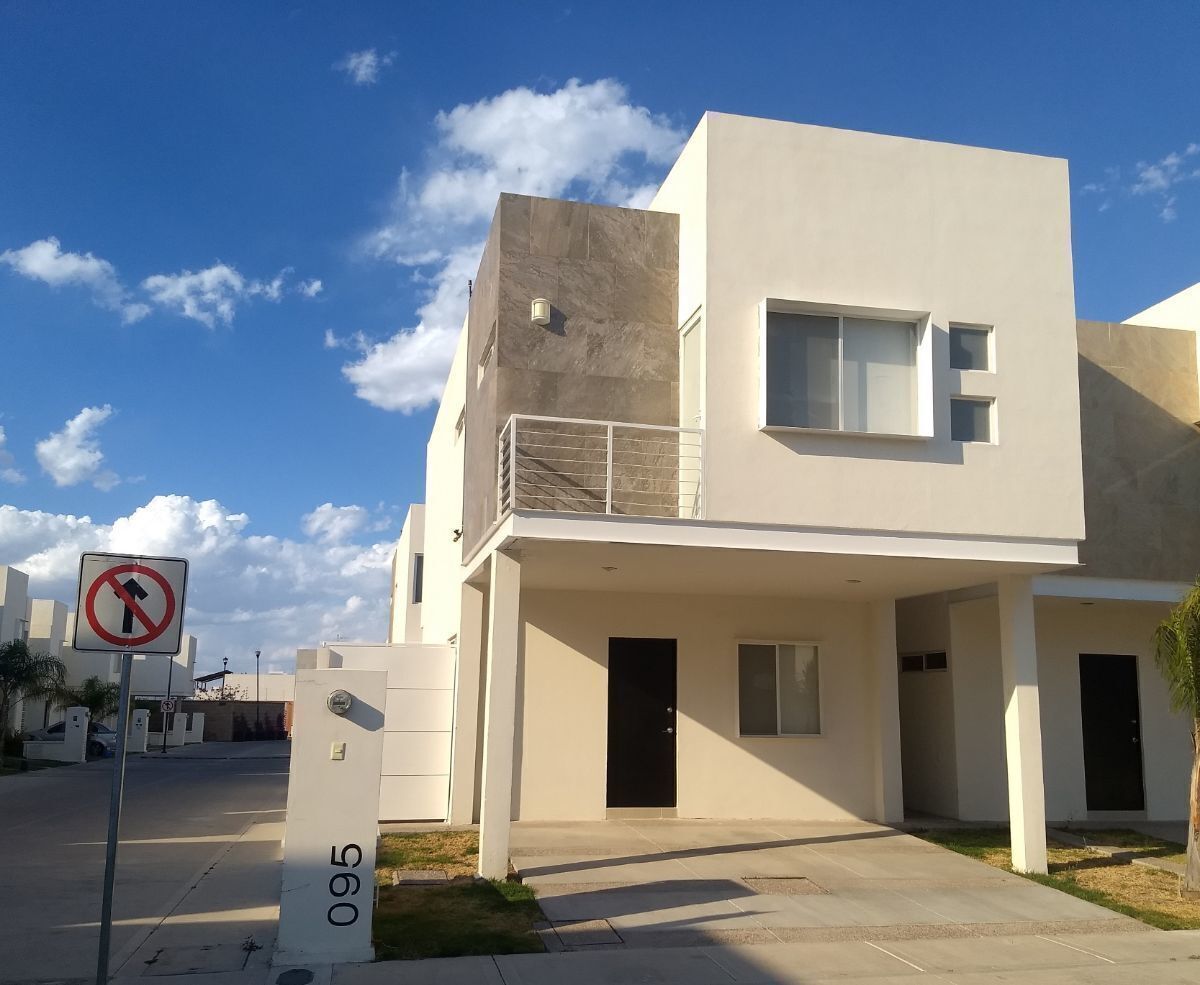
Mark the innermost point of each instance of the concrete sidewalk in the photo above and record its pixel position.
(1152, 958)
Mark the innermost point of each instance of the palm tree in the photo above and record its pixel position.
(100, 698)
(26, 674)
(1177, 653)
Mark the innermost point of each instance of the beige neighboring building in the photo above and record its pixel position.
(808, 497)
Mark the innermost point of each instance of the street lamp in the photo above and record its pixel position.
(257, 695)
(225, 668)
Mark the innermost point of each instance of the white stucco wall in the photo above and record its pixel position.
(272, 686)
(822, 216)
(684, 192)
(444, 509)
(405, 623)
(1065, 629)
(562, 713)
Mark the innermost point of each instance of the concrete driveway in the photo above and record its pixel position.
(198, 868)
(670, 883)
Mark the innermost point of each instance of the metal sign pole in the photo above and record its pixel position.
(170, 668)
(114, 822)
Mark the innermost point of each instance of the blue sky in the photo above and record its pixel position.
(176, 178)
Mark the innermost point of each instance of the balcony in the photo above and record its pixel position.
(568, 465)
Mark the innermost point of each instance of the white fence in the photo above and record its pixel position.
(579, 466)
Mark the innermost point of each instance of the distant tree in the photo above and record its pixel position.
(100, 698)
(234, 692)
(1177, 653)
(26, 674)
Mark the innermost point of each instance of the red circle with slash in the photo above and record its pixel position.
(153, 629)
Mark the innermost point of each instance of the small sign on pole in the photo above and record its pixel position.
(126, 603)
(167, 706)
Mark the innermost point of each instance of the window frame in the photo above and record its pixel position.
(993, 435)
(416, 589)
(923, 365)
(988, 330)
(737, 704)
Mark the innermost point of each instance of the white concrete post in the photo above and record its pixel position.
(466, 707)
(74, 744)
(139, 722)
(195, 729)
(332, 819)
(499, 717)
(1022, 724)
(889, 780)
(178, 734)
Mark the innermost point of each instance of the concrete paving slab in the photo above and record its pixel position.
(695, 916)
(566, 868)
(663, 967)
(607, 904)
(795, 963)
(585, 933)
(436, 971)
(1182, 945)
(975, 954)
(1025, 901)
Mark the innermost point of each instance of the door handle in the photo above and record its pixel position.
(668, 731)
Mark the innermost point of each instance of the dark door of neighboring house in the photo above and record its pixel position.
(641, 723)
(1112, 732)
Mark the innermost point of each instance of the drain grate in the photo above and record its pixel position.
(784, 886)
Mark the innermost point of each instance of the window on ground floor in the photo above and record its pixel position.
(779, 690)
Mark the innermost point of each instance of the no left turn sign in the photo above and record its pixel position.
(130, 603)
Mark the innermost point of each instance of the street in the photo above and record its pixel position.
(197, 873)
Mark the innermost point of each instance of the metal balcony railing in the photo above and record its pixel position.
(570, 465)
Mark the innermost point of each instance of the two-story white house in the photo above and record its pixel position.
(774, 508)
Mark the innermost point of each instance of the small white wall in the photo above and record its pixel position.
(927, 736)
(560, 773)
(274, 686)
(195, 728)
(405, 618)
(444, 509)
(137, 735)
(149, 673)
(414, 782)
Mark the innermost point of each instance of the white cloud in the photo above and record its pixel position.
(1158, 179)
(212, 294)
(362, 67)
(334, 524)
(73, 455)
(8, 470)
(246, 591)
(584, 141)
(45, 261)
(207, 296)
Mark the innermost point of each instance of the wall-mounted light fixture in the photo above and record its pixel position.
(540, 312)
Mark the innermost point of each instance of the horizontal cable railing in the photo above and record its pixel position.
(579, 466)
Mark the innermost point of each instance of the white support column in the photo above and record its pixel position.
(889, 782)
(1022, 724)
(466, 707)
(499, 719)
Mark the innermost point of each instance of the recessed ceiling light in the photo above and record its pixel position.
(853, 581)
(608, 567)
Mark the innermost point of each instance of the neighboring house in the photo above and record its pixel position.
(779, 509)
(14, 623)
(408, 579)
(151, 672)
(272, 686)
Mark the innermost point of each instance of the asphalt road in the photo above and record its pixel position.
(198, 869)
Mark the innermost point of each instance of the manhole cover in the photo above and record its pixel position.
(786, 886)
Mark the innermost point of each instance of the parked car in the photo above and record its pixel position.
(102, 741)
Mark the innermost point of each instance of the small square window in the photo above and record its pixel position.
(912, 663)
(971, 419)
(935, 661)
(778, 689)
(970, 348)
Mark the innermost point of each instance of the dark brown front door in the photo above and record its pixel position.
(641, 722)
(1112, 732)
